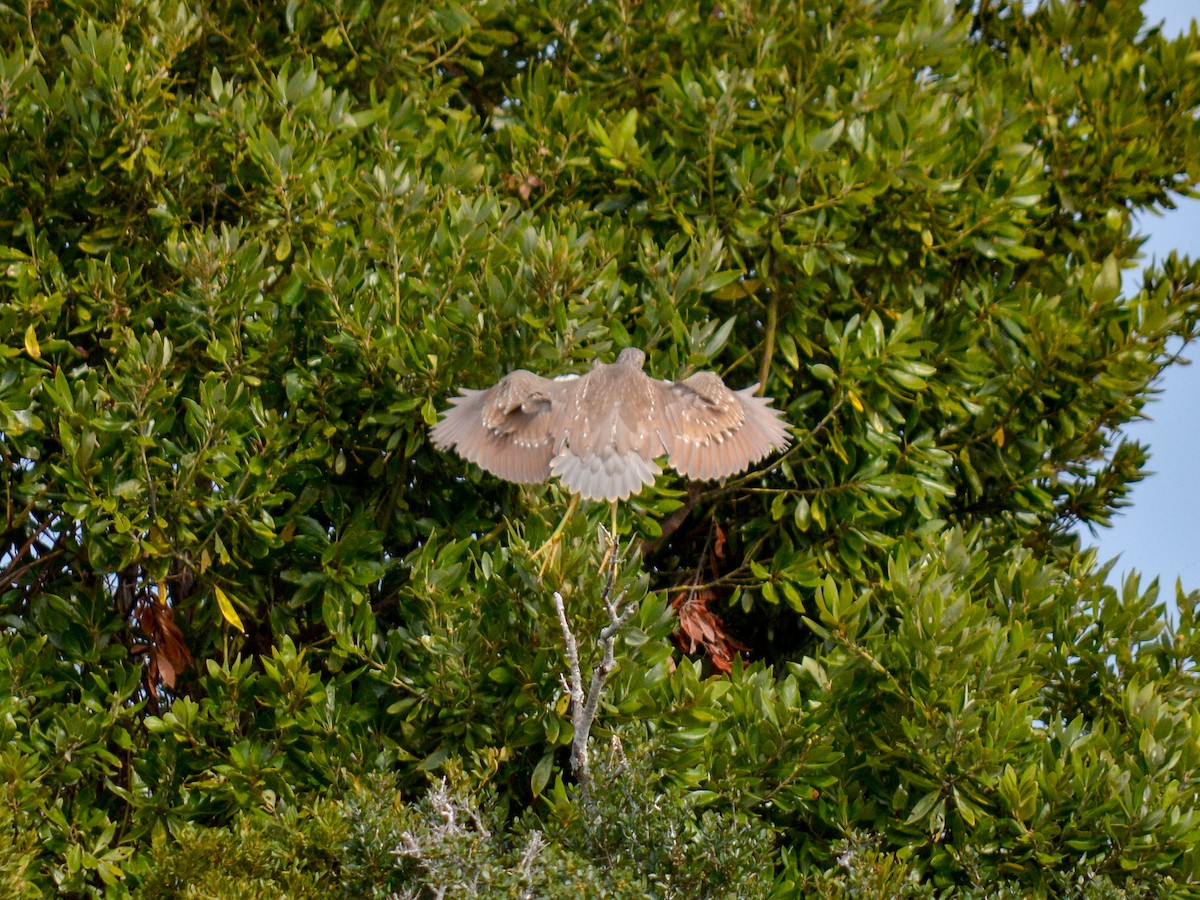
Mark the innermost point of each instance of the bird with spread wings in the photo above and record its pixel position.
(602, 433)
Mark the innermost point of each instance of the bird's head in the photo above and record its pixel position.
(632, 356)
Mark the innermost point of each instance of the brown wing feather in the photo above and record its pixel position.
(712, 432)
(509, 429)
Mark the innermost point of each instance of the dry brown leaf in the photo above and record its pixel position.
(719, 541)
(166, 650)
(700, 629)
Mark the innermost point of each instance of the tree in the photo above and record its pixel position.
(250, 250)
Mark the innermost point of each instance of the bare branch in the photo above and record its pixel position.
(578, 757)
(584, 705)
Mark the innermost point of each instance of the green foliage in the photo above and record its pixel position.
(290, 853)
(976, 736)
(635, 820)
(247, 252)
(66, 735)
(862, 870)
(370, 843)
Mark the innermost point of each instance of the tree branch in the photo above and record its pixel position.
(585, 704)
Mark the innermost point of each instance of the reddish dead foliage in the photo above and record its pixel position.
(166, 651)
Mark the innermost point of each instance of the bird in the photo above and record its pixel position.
(601, 434)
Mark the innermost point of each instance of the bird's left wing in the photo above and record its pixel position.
(507, 429)
(713, 432)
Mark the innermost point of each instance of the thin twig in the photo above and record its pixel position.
(764, 367)
(6, 576)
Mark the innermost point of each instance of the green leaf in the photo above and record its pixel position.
(541, 774)
(132, 487)
(717, 341)
(1108, 281)
(823, 140)
(924, 806)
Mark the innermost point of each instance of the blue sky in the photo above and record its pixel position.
(1159, 535)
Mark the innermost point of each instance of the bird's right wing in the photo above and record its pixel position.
(713, 432)
(508, 429)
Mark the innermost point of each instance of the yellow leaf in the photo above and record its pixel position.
(32, 347)
(998, 437)
(855, 401)
(738, 290)
(228, 611)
